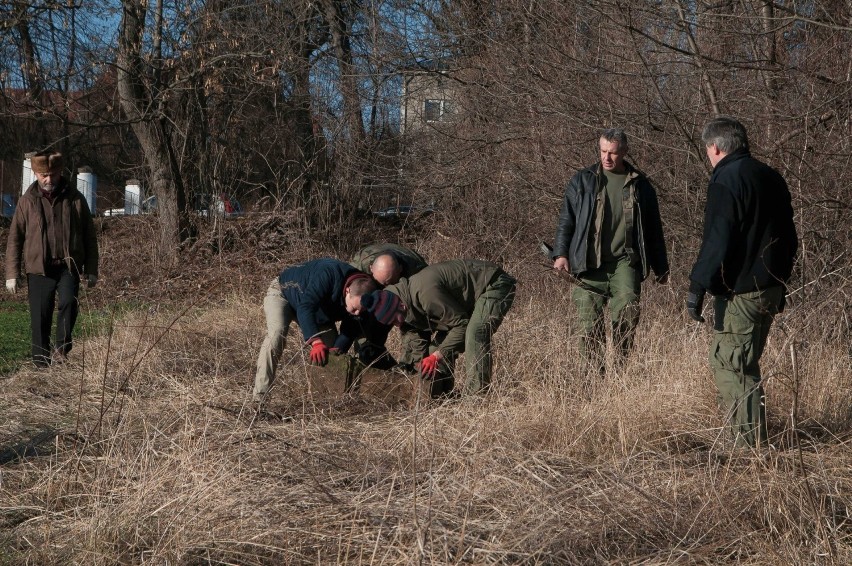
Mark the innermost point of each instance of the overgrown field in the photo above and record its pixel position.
(145, 448)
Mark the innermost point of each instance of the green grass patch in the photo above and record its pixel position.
(15, 330)
(14, 335)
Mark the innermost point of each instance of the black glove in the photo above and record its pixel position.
(694, 305)
(376, 357)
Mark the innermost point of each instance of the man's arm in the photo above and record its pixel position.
(446, 311)
(566, 221)
(654, 240)
(90, 239)
(306, 298)
(720, 219)
(15, 243)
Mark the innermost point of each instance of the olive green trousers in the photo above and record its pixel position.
(741, 328)
(616, 284)
(488, 313)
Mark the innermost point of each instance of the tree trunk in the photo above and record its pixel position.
(35, 84)
(150, 130)
(336, 17)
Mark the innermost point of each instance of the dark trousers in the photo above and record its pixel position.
(370, 344)
(42, 295)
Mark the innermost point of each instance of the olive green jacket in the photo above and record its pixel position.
(442, 296)
(411, 261)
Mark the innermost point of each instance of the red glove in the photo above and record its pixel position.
(429, 365)
(319, 353)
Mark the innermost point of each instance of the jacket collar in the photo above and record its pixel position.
(733, 156)
(630, 171)
(62, 189)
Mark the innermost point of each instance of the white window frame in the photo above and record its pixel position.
(444, 109)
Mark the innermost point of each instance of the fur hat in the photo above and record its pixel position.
(382, 305)
(44, 162)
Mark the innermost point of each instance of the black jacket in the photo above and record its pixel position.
(749, 238)
(577, 217)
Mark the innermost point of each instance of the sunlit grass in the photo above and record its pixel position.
(15, 330)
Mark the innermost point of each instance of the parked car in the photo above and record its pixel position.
(403, 211)
(222, 205)
(149, 205)
(7, 209)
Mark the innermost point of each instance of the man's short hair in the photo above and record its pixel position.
(362, 286)
(615, 135)
(726, 133)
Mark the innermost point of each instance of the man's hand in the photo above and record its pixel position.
(429, 365)
(561, 264)
(12, 285)
(694, 305)
(91, 280)
(319, 353)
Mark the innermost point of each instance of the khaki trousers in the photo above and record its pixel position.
(279, 314)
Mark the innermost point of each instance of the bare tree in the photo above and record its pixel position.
(142, 103)
(536, 81)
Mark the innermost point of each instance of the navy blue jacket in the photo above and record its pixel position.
(749, 238)
(314, 290)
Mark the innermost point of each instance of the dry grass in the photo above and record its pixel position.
(152, 453)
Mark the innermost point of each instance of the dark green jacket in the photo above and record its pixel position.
(411, 261)
(442, 296)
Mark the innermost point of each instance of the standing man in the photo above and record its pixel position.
(315, 294)
(53, 236)
(609, 235)
(387, 263)
(456, 305)
(745, 261)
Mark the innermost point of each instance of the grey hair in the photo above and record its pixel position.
(615, 135)
(726, 133)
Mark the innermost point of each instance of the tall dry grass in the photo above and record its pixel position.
(151, 453)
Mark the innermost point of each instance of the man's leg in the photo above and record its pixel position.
(278, 316)
(742, 326)
(41, 291)
(625, 287)
(444, 381)
(415, 345)
(590, 298)
(487, 316)
(68, 289)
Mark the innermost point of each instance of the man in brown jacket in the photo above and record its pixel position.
(53, 238)
(456, 305)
